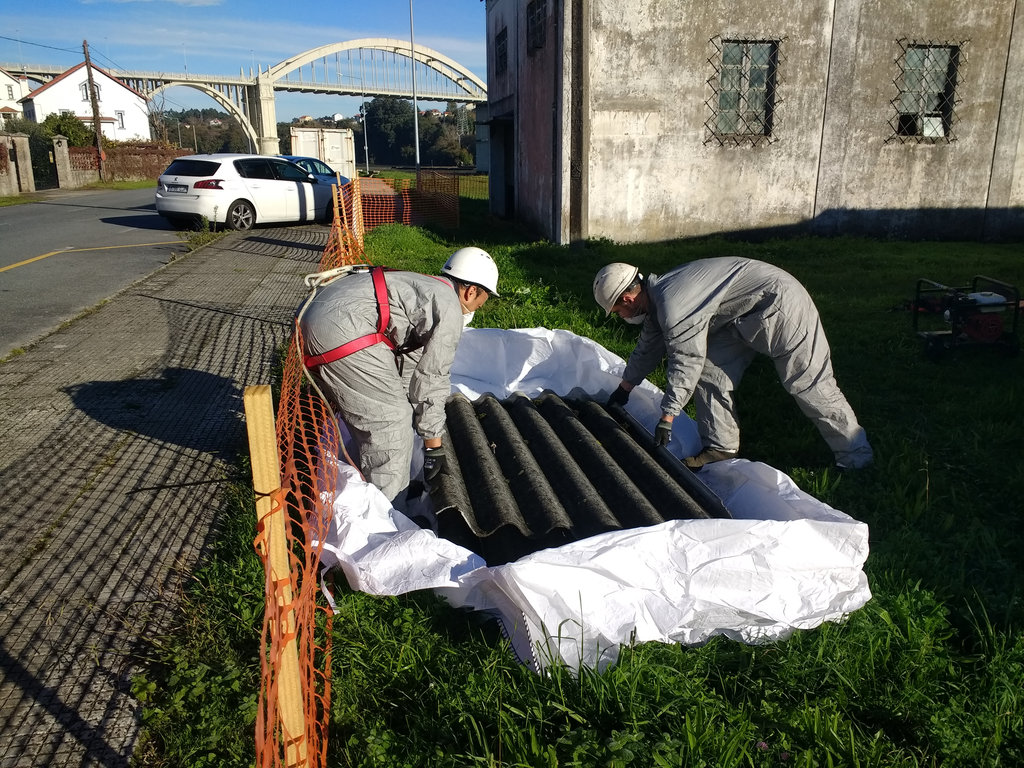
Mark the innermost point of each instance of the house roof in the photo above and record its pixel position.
(67, 73)
(525, 475)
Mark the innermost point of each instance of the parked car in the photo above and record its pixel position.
(318, 168)
(241, 191)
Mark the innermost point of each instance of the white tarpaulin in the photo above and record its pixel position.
(786, 562)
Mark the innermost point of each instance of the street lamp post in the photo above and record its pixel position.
(195, 141)
(366, 148)
(415, 108)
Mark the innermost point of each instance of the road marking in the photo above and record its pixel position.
(81, 250)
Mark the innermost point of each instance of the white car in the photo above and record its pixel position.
(240, 191)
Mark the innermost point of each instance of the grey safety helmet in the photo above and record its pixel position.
(612, 281)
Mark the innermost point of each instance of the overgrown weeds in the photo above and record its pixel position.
(201, 232)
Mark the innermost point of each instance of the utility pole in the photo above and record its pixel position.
(97, 127)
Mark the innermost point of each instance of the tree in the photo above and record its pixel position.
(235, 139)
(447, 149)
(389, 125)
(77, 133)
(284, 137)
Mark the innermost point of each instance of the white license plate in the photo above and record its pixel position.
(177, 187)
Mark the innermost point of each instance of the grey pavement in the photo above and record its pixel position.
(119, 434)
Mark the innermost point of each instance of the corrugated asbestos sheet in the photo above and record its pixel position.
(531, 474)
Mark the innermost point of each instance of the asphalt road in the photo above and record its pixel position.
(71, 250)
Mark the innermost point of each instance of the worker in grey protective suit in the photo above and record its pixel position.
(379, 345)
(709, 318)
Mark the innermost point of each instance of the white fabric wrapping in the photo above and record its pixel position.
(786, 562)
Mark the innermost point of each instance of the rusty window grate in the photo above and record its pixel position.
(744, 92)
(536, 25)
(924, 108)
(501, 51)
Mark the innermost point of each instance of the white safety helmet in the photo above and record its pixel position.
(473, 265)
(612, 281)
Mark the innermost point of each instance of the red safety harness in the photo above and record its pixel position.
(380, 290)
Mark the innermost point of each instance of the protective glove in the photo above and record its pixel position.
(619, 397)
(434, 460)
(663, 432)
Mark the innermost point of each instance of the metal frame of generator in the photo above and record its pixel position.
(984, 313)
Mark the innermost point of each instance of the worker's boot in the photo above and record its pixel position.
(707, 456)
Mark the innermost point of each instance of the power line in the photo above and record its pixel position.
(40, 45)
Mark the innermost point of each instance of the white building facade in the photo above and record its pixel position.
(13, 88)
(123, 111)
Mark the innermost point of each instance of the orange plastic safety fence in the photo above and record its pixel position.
(432, 200)
(297, 618)
(291, 730)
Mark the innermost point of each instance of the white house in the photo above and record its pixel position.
(122, 110)
(12, 89)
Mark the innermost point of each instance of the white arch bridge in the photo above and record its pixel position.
(372, 66)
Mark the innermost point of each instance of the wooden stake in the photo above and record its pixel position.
(266, 481)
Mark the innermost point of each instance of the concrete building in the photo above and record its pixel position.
(123, 110)
(13, 88)
(646, 120)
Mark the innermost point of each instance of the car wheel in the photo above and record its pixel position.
(241, 215)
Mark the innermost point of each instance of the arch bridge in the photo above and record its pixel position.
(371, 66)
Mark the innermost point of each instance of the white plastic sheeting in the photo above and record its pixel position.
(786, 562)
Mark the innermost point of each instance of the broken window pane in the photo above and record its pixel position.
(927, 91)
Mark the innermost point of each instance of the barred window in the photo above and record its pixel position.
(536, 25)
(743, 84)
(926, 99)
(501, 52)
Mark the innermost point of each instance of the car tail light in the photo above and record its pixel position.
(208, 184)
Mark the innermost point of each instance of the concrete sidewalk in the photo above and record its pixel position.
(118, 433)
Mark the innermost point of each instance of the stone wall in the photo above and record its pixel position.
(15, 165)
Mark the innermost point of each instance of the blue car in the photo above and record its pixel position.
(323, 172)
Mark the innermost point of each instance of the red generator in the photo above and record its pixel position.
(985, 313)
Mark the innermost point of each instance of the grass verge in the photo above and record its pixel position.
(927, 674)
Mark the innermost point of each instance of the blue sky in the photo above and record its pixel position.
(224, 36)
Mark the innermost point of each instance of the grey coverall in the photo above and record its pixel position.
(383, 394)
(710, 317)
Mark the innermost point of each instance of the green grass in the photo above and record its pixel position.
(927, 674)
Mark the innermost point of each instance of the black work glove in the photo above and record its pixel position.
(619, 397)
(663, 432)
(434, 460)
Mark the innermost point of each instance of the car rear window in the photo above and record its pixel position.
(192, 168)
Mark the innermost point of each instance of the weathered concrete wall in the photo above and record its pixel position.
(502, 15)
(538, 156)
(653, 176)
(610, 137)
(870, 182)
(1006, 188)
